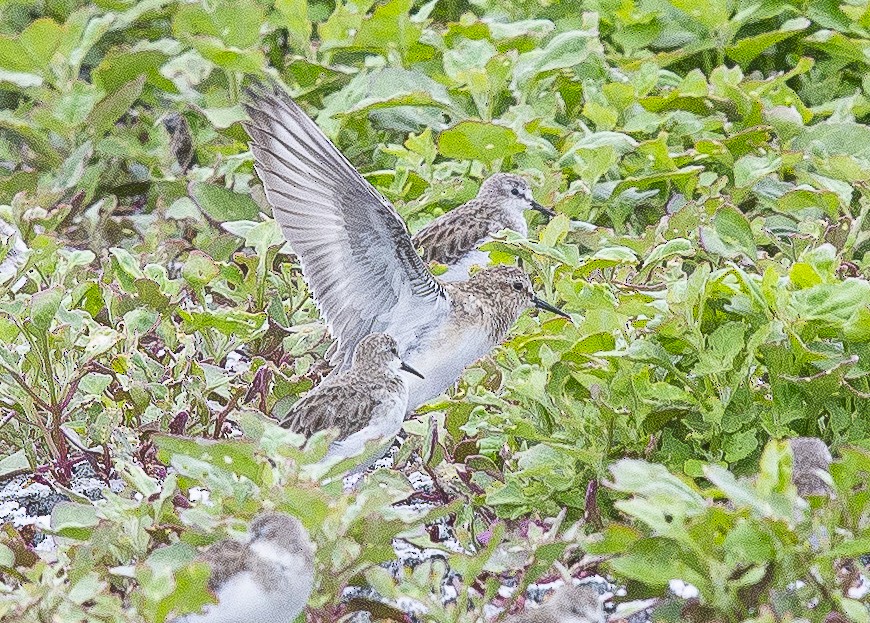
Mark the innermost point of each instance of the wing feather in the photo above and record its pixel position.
(354, 249)
(330, 405)
(448, 239)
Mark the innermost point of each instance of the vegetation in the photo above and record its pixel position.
(710, 166)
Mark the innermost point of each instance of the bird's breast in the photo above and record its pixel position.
(443, 358)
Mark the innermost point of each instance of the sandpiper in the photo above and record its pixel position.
(569, 604)
(360, 264)
(453, 239)
(367, 402)
(266, 580)
(810, 457)
(16, 254)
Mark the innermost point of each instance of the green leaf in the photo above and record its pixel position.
(43, 307)
(14, 462)
(128, 270)
(750, 169)
(671, 248)
(231, 322)
(232, 456)
(566, 49)
(199, 269)
(723, 346)
(852, 139)
(74, 520)
(113, 106)
(20, 78)
(40, 40)
(748, 49)
(222, 204)
(653, 562)
(733, 229)
(117, 70)
(295, 18)
(479, 140)
(7, 557)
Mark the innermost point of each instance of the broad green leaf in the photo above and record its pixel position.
(7, 557)
(119, 69)
(746, 50)
(43, 307)
(15, 462)
(199, 269)
(734, 231)
(671, 248)
(222, 204)
(479, 140)
(230, 322)
(108, 110)
(233, 456)
(74, 520)
(851, 139)
(564, 50)
(294, 14)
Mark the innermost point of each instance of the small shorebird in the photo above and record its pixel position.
(453, 239)
(366, 402)
(360, 264)
(266, 580)
(810, 456)
(569, 604)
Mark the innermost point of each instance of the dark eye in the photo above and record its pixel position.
(515, 191)
(395, 351)
(518, 286)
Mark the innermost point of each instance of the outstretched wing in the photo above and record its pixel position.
(354, 249)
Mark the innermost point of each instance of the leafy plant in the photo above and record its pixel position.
(709, 166)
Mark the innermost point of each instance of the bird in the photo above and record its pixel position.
(366, 402)
(357, 257)
(569, 604)
(15, 255)
(454, 238)
(265, 580)
(810, 456)
(180, 140)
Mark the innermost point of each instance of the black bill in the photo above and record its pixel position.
(542, 304)
(408, 368)
(542, 209)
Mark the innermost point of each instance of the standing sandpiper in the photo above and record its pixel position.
(453, 239)
(366, 402)
(266, 580)
(360, 264)
(569, 604)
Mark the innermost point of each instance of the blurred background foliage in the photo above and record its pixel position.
(709, 162)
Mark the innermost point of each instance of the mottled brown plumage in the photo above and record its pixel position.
(453, 239)
(366, 402)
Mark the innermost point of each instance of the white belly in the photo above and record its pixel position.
(441, 361)
(386, 423)
(241, 600)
